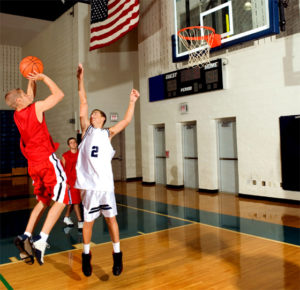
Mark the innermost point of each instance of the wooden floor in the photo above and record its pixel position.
(190, 256)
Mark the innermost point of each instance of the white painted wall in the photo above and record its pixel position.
(264, 84)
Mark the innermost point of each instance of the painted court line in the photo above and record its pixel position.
(5, 283)
(157, 213)
(194, 222)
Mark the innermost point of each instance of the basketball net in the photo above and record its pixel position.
(198, 40)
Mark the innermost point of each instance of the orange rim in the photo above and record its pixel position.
(217, 37)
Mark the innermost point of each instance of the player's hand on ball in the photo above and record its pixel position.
(134, 95)
(35, 76)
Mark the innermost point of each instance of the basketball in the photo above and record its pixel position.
(29, 64)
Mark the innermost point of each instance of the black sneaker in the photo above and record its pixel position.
(86, 264)
(24, 246)
(118, 264)
(39, 248)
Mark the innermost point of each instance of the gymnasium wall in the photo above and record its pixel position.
(56, 47)
(10, 77)
(110, 73)
(109, 76)
(263, 84)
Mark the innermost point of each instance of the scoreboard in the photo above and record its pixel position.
(186, 82)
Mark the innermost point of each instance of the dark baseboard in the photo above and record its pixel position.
(266, 198)
(134, 179)
(170, 186)
(208, 190)
(148, 183)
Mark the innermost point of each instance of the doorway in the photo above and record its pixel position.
(160, 154)
(190, 155)
(228, 158)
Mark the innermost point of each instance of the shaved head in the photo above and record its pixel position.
(11, 98)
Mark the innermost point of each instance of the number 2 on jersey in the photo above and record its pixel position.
(94, 152)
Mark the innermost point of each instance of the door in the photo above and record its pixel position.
(160, 154)
(118, 161)
(190, 156)
(228, 159)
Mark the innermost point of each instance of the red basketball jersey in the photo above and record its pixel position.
(35, 142)
(70, 168)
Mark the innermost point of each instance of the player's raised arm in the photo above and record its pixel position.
(134, 95)
(31, 88)
(55, 97)
(84, 115)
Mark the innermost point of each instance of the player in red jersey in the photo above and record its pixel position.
(69, 160)
(44, 167)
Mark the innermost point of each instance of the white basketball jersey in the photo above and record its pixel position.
(93, 168)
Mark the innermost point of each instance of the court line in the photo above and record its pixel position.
(157, 213)
(176, 227)
(5, 283)
(195, 222)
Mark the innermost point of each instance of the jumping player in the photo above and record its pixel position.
(44, 167)
(94, 174)
(69, 160)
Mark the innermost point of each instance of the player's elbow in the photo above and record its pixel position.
(60, 96)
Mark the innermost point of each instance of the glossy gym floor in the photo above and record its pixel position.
(171, 239)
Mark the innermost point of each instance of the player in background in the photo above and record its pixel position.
(94, 174)
(69, 160)
(44, 167)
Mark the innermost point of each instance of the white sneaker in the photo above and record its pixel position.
(68, 221)
(39, 248)
(80, 225)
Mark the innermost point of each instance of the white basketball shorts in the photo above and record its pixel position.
(96, 203)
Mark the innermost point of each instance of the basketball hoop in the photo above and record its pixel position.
(198, 40)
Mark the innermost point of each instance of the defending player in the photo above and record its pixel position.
(44, 167)
(69, 160)
(94, 174)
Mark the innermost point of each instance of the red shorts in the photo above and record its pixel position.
(74, 195)
(49, 181)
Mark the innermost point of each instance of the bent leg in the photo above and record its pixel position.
(35, 216)
(52, 217)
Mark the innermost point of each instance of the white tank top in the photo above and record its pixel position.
(93, 168)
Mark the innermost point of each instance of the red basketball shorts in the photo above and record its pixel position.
(49, 181)
(74, 195)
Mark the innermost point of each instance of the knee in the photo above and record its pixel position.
(111, 221)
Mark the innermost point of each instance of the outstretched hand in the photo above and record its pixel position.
(134, 95)
(35, 76)
(80, 72)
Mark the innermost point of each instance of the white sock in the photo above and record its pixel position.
(116, 247)
(44, 236)
(86, 248)
(27, 234)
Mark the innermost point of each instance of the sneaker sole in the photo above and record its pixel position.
(26, 253)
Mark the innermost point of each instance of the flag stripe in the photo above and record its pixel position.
(114, 28)
(120, 17)
(111, 39)
(115, 18)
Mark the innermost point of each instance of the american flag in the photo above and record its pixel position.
(111, 19)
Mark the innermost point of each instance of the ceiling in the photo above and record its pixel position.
(38, 9)
(22, 20)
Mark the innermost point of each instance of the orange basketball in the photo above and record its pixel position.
(29, 64)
